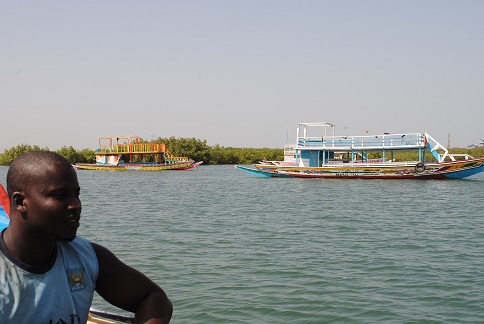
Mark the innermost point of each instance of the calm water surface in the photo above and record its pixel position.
(228, 247)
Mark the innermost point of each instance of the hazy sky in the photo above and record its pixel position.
(239, 73)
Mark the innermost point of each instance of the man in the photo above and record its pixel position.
(47, 273)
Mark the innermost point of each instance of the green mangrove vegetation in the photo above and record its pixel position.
(193, 148)
(199, 150)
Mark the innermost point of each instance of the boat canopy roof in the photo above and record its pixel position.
(130, 137)
(309, 129)
(317, 124)
(121, 139)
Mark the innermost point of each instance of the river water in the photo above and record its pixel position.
(228, 247)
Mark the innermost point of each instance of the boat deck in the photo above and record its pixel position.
(375, 142)
(133, 148)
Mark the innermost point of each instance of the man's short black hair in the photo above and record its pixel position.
(29, 164)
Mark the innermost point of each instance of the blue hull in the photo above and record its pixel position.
(261, 174)
(464, 173)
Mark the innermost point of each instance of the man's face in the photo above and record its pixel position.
(53, 207)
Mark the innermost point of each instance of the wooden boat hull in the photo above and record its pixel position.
(192, 166)
(98, 316)
(136, 166)
(262, 173)
(447, 170)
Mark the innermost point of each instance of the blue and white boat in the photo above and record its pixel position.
(320, 153)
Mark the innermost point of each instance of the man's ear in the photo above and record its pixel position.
(18, 202)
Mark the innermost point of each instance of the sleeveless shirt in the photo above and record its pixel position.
(63, 294)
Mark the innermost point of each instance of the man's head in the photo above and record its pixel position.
(44, 195)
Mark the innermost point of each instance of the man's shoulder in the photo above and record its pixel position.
(79, 244)
(78, 240)
(78, 253)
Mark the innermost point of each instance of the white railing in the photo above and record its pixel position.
(410, 140)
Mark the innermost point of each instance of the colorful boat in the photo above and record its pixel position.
(319, 153)
(4, 208)
(140, 155)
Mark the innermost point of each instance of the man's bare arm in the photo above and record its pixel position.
(129, 289)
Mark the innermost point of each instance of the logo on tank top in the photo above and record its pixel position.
(75, 277)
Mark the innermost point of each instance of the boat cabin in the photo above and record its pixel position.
(317, 145)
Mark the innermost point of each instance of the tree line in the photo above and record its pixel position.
(193, 148)
(199, 150)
